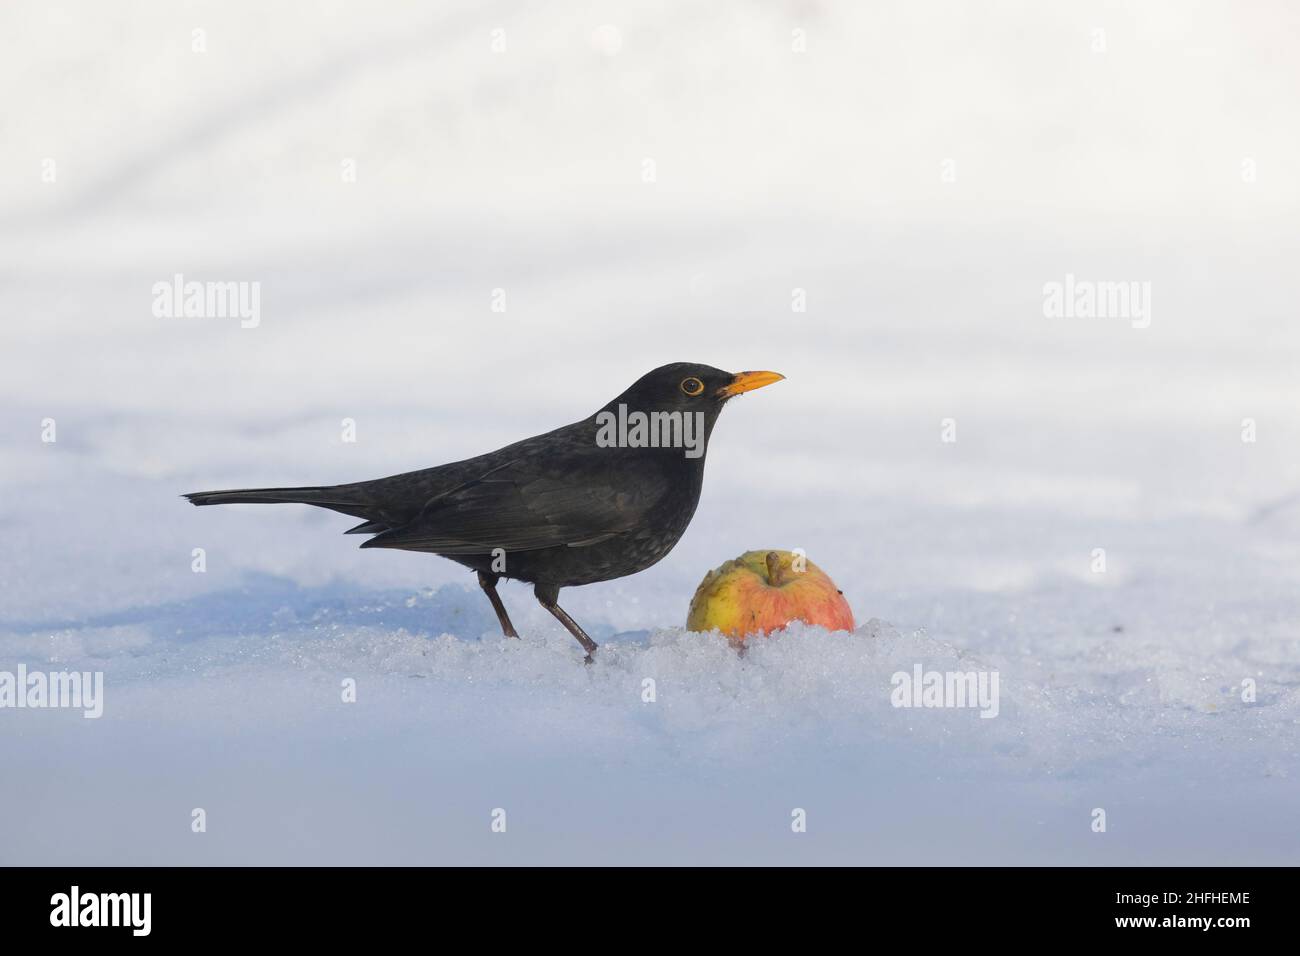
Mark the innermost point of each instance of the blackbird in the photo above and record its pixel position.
(599, 499)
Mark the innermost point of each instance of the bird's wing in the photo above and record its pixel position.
(525, 506)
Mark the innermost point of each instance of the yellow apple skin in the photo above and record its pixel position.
(760, 592)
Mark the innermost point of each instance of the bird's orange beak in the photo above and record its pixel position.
(748, 381)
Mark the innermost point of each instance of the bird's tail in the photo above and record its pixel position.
(334, 497)
(259, 496)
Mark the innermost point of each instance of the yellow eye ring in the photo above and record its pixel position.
(692, 386)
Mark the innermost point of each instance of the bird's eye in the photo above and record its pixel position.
(692, 386)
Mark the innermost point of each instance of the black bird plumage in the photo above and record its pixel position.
(559, 509)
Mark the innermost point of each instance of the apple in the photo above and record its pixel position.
(763, 591)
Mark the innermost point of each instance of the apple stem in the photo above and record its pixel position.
(773, 568)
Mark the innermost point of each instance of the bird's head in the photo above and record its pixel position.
(685, 388)
(690, 387)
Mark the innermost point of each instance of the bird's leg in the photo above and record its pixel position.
(488, 582)
(547, 597)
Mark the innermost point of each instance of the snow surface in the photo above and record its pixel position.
(522, 171)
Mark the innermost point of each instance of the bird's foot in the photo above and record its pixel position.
(488, 582)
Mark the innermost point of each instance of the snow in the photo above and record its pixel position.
(1120, 690)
